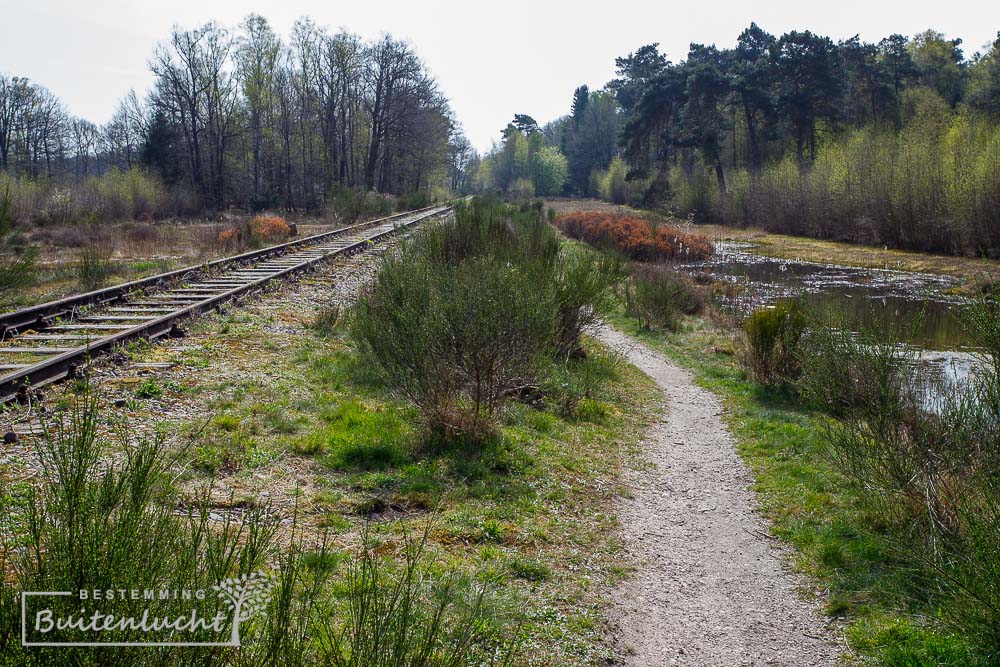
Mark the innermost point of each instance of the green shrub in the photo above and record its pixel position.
(928, 471)
(455, 341)
(469, 314)
(94, 265)
(771, 336)
(584, 291)
(657, 297)
(865, 371)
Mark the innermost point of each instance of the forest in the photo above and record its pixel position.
(895, 142)
(238, 118)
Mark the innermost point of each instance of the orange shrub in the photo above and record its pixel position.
(639, 239)
(269, 227)
(227, 236)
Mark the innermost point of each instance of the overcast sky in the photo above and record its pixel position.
(492, 59)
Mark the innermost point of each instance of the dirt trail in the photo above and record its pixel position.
(709, 586)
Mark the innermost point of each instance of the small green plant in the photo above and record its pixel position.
(529, 569)
(148, 388)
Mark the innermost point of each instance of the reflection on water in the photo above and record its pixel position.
(917, 304)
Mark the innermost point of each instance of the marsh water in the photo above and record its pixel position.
(921, 307)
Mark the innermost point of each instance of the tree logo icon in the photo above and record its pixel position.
(246, 596)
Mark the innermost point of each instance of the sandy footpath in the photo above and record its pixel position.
(709, 586)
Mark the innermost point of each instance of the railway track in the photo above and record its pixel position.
(55, 340)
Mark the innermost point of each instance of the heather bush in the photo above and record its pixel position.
(636, 238)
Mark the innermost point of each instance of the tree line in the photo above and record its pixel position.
(769, 132)
(244, 117)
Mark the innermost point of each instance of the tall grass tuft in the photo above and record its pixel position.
(95, 265)
(410, 617)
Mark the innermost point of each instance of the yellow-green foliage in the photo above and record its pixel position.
(612, 184)
(932, 185)
(114, 195)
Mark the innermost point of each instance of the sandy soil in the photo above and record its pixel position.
(709, 586)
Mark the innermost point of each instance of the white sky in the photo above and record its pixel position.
(492, 59)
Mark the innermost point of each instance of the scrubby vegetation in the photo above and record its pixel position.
(933, 185)
(255, 232)
(636, 238)
(90, 525)
(133, 194)
(470, 314)
(771, 343)
(658, 297)
(17, 258)
(928, 471)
